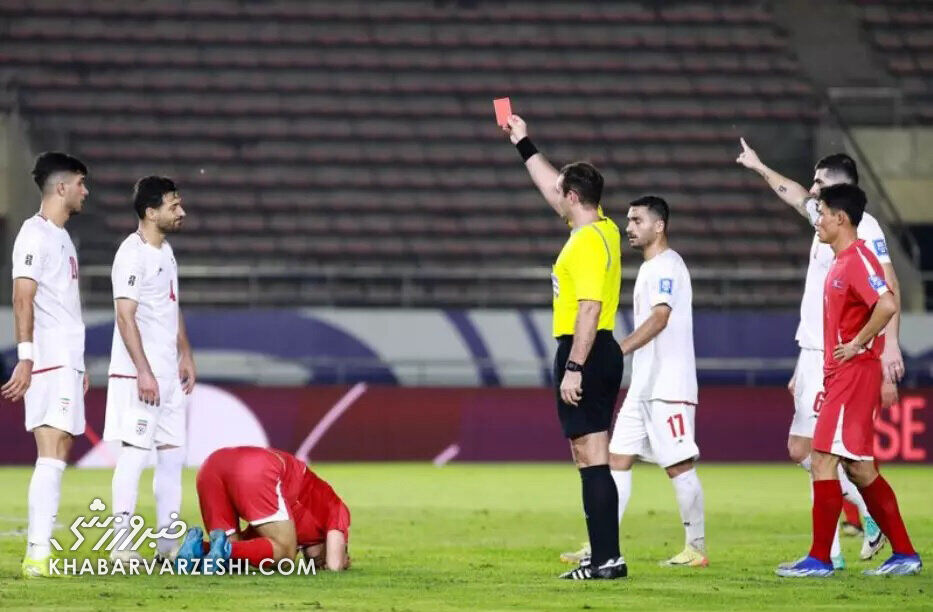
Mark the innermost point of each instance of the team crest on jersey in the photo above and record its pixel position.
(666, 286)
(141, 426)
(881, 247)
(837, 283)
(875, 281)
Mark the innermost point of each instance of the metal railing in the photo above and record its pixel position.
(276, 285)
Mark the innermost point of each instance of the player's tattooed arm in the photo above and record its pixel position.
(543, 173)
(24, 293)
(645, 333)
(792, 193)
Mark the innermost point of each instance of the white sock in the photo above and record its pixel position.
(166, 485)
(690, 499)
(836, 549)
(851, 493)
(623, 480)
(125, 488)
(45, 489)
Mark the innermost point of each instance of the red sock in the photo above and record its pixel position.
(254, 551)
(852, 515)
(882, 506)
(827, 504)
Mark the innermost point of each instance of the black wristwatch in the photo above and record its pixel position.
(573, 366)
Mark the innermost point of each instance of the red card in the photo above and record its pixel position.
(503, 110)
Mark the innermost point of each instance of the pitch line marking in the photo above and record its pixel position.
(336, 411)
(97, 442)
(447, 454)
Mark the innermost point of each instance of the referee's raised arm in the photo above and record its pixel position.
(542, 172)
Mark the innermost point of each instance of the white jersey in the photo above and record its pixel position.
(810, 331)
(45, 253)
(665, 368)
(149, 277)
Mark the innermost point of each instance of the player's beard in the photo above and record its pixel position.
(171, 227)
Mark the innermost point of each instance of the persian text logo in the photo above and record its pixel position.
(119, 535)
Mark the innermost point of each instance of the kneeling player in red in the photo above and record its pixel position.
(287, 506)
(857, 306)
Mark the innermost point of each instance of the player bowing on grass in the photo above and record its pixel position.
(288, 508)
(806, 385)
(151, 365)
(586, 279)
(50, 373)
(857, 304)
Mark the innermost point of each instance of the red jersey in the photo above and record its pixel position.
(262, 485)
(853, 285)
(314, 506)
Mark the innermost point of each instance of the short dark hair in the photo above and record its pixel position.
(50, 162)
(148, 192)
(847, 198)
(657, 205)
(585, 180)
(840, 163)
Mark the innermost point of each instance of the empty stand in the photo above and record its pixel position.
(356, 133)
(902, 33)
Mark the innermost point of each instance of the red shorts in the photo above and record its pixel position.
(241, 483)
(845, 426)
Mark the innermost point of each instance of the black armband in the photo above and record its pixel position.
(526, 148)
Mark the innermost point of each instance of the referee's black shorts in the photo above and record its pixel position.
(602, 377)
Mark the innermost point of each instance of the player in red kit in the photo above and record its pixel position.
(857, 305)
(287, 506)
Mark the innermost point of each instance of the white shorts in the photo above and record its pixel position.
(808, 386)
(56, 398)
(136, 423)
(656, 431)
(281, 514)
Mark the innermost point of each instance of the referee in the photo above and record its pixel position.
(588, 366)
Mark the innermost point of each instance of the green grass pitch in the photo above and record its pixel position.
(486, 537)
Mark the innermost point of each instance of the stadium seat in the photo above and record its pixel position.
(298, 130)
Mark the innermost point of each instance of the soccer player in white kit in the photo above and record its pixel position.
(657, 420)
(151, 365)
(50, 372)
(806, 385)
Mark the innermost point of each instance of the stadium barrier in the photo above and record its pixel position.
(506, 347)
(382, 423)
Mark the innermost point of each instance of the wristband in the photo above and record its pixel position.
(526, 148)
(573, 366)
(24, 351)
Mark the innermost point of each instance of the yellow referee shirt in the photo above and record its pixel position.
(589, 267)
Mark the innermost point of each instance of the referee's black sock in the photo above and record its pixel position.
(601, 506)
